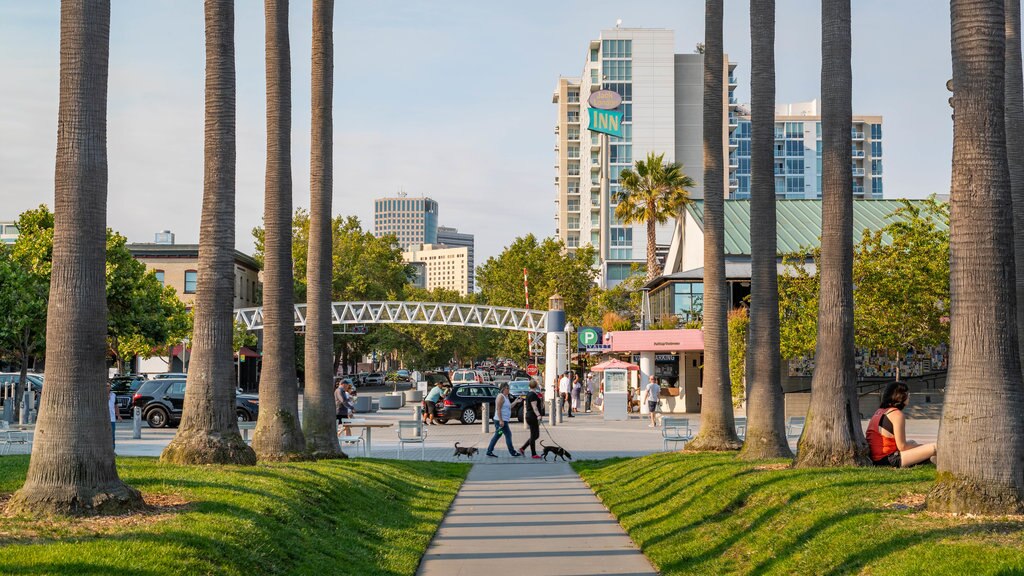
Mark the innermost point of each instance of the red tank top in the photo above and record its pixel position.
(881, 446)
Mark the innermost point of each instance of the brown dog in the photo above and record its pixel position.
(470, 451)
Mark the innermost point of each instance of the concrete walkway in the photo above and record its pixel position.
(538, 520)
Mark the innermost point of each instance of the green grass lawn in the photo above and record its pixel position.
(332, 517)
(713, 514)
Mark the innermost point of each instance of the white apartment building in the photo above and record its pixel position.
(8, 232)
(443, 267)
(662, 94)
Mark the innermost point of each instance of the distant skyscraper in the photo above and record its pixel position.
(412, 220)
(798, 154)
(445, 267)
(453, 238)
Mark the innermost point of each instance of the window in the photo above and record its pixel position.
(574, 133)
(876, 187)
(574, 97)
(795, 166)
(688, 300)
(573, 116)
(574, 221)
(795, 184)
(794, 129)
(624, 89)
(627, 133)
(574, 206)
(176, 389)
(618, 70)
(876, 131)
(876, 167)
(574, 152)
(191, 278)
(621, 154)
(594, 72)
(593, 54)
(617, 49)
(876, 148)
(159, 276)
(794, 147)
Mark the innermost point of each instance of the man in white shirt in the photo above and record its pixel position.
(651, 393)
(563, 392)
(115, 413)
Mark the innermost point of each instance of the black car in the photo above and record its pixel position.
(465, 403)
(162, 401)
(518, 389)
(124, 388)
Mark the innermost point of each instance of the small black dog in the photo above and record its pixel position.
(557, 451)
(459, 451)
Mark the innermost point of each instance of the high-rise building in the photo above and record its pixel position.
(662, 107)
(798, 153)
(452, 238)
(445, 267)
(8, 232)
(412, 220)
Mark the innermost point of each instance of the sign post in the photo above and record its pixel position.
(606, 121)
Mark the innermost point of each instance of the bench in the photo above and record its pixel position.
(675, 430)
(10, 438)
(795, 427)
(244, 428)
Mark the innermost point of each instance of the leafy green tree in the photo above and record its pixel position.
(651, 194)
(552, 270)
(739, 326)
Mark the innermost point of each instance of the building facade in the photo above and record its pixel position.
(177, 265)
(444, 267)
(662, 107)
(8, 232)
(798, 153)
(452, 238)
(413, 221)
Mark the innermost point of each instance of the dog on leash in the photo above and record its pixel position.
(556, 450)
(461, 450)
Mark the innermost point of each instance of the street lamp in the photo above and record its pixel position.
(568, 347)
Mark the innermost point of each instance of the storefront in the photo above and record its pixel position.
(673, 357)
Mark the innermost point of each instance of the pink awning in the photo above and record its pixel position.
(655, 341)
(614, 364)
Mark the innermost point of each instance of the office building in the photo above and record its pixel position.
(445, 267)
(798, 154)
(177, 265)
(452, 238)
(8, 232)
(413, 221)
(662, 107)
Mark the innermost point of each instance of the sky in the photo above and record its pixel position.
(449, 99)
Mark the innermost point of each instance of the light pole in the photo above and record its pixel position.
(568, 346)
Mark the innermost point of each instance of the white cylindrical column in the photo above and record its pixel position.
(554, 363)
(646, 373)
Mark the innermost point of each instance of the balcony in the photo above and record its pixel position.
(732, 81)
(575, 156)
(574, 136)
(858, 189)
(556, 129)
(733, 143)
(858, 153)
(734, 183)
(595, 162)
(858, 171)
(733, 101)
(733, 121)
(575, 119)
(857, 136)
(734, 162)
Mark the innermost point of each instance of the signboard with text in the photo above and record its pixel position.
(605, 121)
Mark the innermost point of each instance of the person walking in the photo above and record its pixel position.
(651, 393)
(577, 387)
(502, 414)
(115, 414)
(588, 391)
(532, 410)
(341, 405)
(564, 387)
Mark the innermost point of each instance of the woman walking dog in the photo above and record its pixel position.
(502, 414)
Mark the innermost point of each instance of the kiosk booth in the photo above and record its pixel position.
(616, 383)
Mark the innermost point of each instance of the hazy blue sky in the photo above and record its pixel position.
(449, 99)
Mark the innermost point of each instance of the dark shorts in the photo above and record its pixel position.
(892, 460)
(342, 413)
(652, 406)
(429, 408)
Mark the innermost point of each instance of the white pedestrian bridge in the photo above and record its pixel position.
(429, 313)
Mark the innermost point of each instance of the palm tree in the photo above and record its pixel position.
(208, 433)
(717, 427)
(766, 435)
(833, 435)
(1015, 149)
(318, 401)
(652, 194)
(72, 469)
(981, 436)
(278, 435)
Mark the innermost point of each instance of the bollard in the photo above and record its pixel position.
(560, 416)
(418, 412)
(485, 425)
(552, 413)
(137, 423)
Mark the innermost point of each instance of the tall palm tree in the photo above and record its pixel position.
(208, 433)
(72, 469)
(981, 436)
(278, 435)
(717, 426)
(833, 435)
(652, 194)
(1015, 149)
(318, 401)
(766, 435)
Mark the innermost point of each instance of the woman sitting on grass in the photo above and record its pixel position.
(887, 435)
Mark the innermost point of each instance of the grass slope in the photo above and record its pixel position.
(713, 514)
(333, 517)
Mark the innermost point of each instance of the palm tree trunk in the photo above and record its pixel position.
(72, 469)
(833, 434)
(318, 415)
(717, 427)
(1015, 150)
(981, 436)
(208, 433)
(766, 434)
(278, 435)
(653, 270)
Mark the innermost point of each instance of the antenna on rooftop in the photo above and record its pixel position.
(402, 193)
(618, 23)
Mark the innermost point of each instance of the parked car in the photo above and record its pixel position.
(403, 375)
(348, 380)
(165, 375)
(465, 376)
(34, 380)
(375, 379)
(465, 403)
(518, 389)
(124, 388)
(162, 401)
